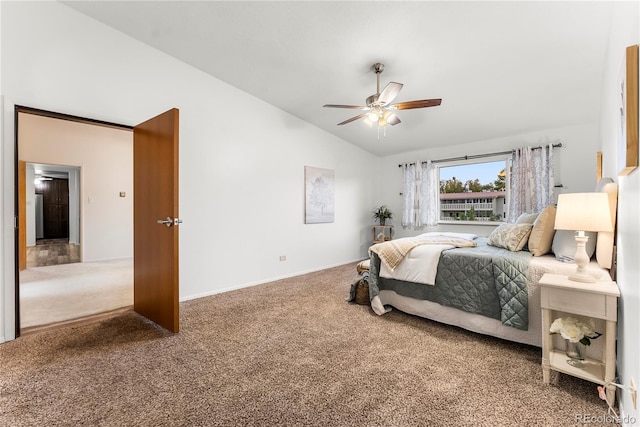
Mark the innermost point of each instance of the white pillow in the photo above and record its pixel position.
(564, 244)
(510, 236)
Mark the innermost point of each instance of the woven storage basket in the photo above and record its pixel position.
(362, 292)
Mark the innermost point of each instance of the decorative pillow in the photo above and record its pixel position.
(564, 244)
(510, 236)
(542, 233)
(527, 218)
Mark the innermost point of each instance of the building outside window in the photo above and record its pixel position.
(474, 191)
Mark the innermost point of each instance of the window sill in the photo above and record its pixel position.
(491, 223)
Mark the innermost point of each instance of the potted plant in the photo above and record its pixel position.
(382, 214)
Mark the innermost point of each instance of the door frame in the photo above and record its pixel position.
(54, 115)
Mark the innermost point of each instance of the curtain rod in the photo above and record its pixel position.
(479, 156)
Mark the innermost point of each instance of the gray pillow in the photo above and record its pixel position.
(564, 244)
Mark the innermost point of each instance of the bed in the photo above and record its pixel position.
(490, 287)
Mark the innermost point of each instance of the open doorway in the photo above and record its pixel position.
(52, 214)
(76, 255)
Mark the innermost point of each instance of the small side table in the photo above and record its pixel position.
(596, 300)
(382, 233)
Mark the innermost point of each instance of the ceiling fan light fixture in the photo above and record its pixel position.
(377, 117)
(383, 117)
(379, 105)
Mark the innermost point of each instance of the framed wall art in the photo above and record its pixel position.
(628, 113)
(319, 189)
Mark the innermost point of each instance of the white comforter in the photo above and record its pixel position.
(420, 265)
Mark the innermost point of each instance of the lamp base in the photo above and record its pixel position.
(582, 277)
(582, 260)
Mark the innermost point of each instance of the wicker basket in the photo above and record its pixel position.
(362, 292)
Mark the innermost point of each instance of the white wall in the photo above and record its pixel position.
(241, 160)
(625, 32)
(105, 158)
(575, 167)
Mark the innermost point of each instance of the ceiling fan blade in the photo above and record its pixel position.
(389, 92)
(417, 104)
(353, 107)
(352, 119)
(393, 120)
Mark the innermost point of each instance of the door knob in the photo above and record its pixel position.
(168, 222)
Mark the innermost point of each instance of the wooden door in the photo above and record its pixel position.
(55, 202)
(155, 247)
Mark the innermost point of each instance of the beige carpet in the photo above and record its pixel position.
(290, 353)
(68, 291)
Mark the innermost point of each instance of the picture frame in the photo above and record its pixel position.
(319, 188)
(628, 113)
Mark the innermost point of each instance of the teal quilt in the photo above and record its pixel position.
(485, 280)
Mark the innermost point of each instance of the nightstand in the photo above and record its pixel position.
(596, 300)
(382, 233)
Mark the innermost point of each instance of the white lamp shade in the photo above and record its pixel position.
(583, 212)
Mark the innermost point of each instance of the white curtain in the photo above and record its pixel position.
(428, 195)
(532, 180)
(408, 194)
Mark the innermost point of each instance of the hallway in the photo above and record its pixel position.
(52, 252)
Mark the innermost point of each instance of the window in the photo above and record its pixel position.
(474, 191)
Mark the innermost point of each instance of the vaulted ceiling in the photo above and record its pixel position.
(501, 68)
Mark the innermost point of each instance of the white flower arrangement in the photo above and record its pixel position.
(573, 330)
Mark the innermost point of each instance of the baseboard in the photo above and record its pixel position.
(261, 282)
(626, 420)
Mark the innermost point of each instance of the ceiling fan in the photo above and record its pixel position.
(379, 109)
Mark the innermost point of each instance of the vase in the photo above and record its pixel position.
(382, 221)
(575, 352)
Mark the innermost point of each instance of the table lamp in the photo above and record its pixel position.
(582, 212)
